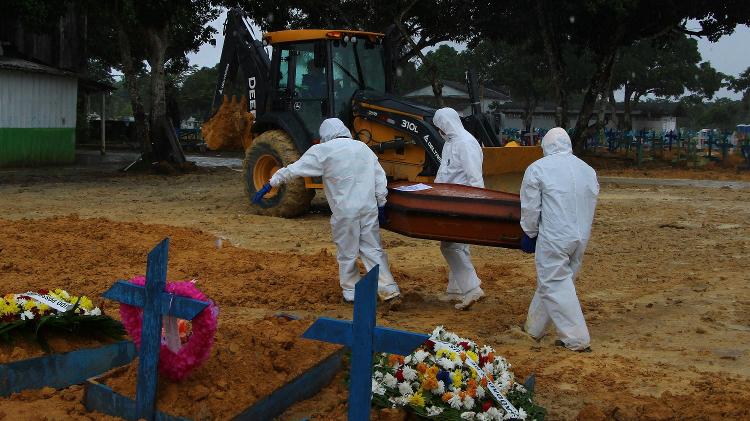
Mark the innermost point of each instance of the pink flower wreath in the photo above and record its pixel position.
(177, 366)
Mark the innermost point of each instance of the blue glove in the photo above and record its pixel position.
(381, 215)
(528, 245)
(258, 197)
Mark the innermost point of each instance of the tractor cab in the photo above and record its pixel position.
(315, 73)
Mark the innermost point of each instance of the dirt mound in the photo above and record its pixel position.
(87, 256)
(230, 127)
(705, 404)
(250, 360)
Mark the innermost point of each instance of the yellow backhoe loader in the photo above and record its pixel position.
(316, 74)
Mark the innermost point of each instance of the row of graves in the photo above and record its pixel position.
(159, 358)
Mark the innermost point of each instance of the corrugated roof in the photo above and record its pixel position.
(84, 83)
(548, 107)
(485, 92)
(12, 63)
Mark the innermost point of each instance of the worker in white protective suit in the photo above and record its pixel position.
(461, 163)
(558, 199)
(355, 186)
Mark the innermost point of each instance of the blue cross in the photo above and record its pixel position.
(155, 303)
(364, 338)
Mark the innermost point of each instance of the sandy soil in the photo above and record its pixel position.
(272, 346)
(663, 285)
(617, 165)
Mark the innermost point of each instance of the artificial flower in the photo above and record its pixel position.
(417, 399)
(409, 373)
(433, 411)
(457, 378)
(455, 402)
(440, 388)
(377, 388)
(389, 380)
(448, 376)
(405, 389)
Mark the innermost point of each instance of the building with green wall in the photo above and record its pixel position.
(37, 114)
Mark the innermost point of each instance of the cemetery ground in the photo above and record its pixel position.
(664, 285)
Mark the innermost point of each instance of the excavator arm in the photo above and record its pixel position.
(231, 122)
(242, 51)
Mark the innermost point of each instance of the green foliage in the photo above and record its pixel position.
(69, 322)
(408, 78)
(665, 67)
(449, 63)
(197, 91)
(601, 28)
(426, 22)
(741, 84)
(723, 113)
(36, 15)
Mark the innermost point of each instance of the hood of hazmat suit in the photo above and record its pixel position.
(333, 128)
(461, 160)
(556, 141)
(558, 199)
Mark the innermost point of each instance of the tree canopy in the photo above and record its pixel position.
(602, 28)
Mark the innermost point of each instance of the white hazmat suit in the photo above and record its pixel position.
(558, 199)
(355, 186)
(461, 163)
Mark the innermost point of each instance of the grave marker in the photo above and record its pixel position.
(364, 337)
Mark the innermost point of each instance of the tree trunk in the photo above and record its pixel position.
(158, 42)
(627, 105)
(604, 98)
(613, 108)
(157, 39)
(596, 86)
(136, 103)
(437, 87)
(528, 113)
(557, 67)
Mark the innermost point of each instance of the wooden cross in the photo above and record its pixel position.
(155, 303)
(364, 338)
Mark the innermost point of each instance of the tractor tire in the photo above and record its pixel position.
(269, 152)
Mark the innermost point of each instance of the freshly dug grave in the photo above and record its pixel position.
(249, 361)
(88, 255)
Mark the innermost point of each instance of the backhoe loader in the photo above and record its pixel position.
(314, 74)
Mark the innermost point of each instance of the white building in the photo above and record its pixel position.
(645, 116)
(456, 95)
(37, 113)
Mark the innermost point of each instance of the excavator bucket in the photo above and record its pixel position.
(231, 127)
(503, 167)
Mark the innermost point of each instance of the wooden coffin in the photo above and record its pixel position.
(460, 214)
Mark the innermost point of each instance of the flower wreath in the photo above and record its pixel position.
(195, 351)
